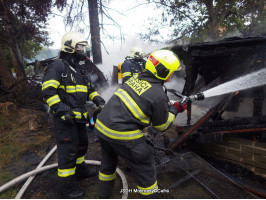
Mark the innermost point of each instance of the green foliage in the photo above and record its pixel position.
(179, 18)
(25, 20)
(30, 49)
(197, 19)
(250, 17)
(23, 23)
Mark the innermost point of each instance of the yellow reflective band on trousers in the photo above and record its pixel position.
(50, 83)
(73, 89)
(119, 135)
(53, 100)
(80, 160)
(92, 95)
(171, 118)
(132, 106)
(148, 190)
(66, 172)
(126, 74)
(106, 177)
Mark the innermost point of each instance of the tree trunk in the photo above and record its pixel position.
(17, 61)
(11, 41)
(216, 17)
(6, 76)
(210, 9)
(95, 31)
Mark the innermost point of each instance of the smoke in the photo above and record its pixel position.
(107, 93)
(129, 17)
(198, 111)
(177, 83)
(116, 52)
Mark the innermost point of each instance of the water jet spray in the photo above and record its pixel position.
(255, 79)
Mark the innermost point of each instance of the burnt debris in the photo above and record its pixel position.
(213, 63)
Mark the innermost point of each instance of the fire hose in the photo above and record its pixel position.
(39, 169)
(30, 175)
(30, 179)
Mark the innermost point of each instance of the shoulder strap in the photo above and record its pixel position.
(63, 81)
(64, 72)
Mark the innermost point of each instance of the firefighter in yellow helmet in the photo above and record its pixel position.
(133, 64)
(140, 102)
(66, 88)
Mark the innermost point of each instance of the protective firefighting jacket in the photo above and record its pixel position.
(130, 68)
(66, 87)
(139, 102)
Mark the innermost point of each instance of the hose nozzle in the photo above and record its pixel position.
(199, 96)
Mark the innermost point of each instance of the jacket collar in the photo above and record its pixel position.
(71, 60)
(147, 76)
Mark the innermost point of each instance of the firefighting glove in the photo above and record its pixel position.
(181, 107)
(99, 101)
(173, 110)
(95, 113)
(68, 117)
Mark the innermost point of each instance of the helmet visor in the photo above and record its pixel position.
(81, 47)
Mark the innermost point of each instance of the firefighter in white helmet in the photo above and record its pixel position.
(133, 64)
(66, 88)
(138, 103)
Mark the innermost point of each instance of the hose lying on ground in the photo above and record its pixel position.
(36, 171)
(30, 179)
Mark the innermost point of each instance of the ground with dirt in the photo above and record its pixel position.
(27, 136)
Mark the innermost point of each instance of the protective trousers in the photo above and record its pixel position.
(72, 145)
(138, 156)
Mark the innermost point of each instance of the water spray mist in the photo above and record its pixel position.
(255, 79)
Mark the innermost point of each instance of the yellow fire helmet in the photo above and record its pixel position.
(162, 63)
(70, 40)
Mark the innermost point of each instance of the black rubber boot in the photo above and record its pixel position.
(68, 188)
(105, 189)
(83, 171)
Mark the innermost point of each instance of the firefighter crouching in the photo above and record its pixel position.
(139, 102)
(133, 64)
(66, 88)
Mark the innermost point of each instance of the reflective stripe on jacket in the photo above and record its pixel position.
(70, 92)
(134, 106)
